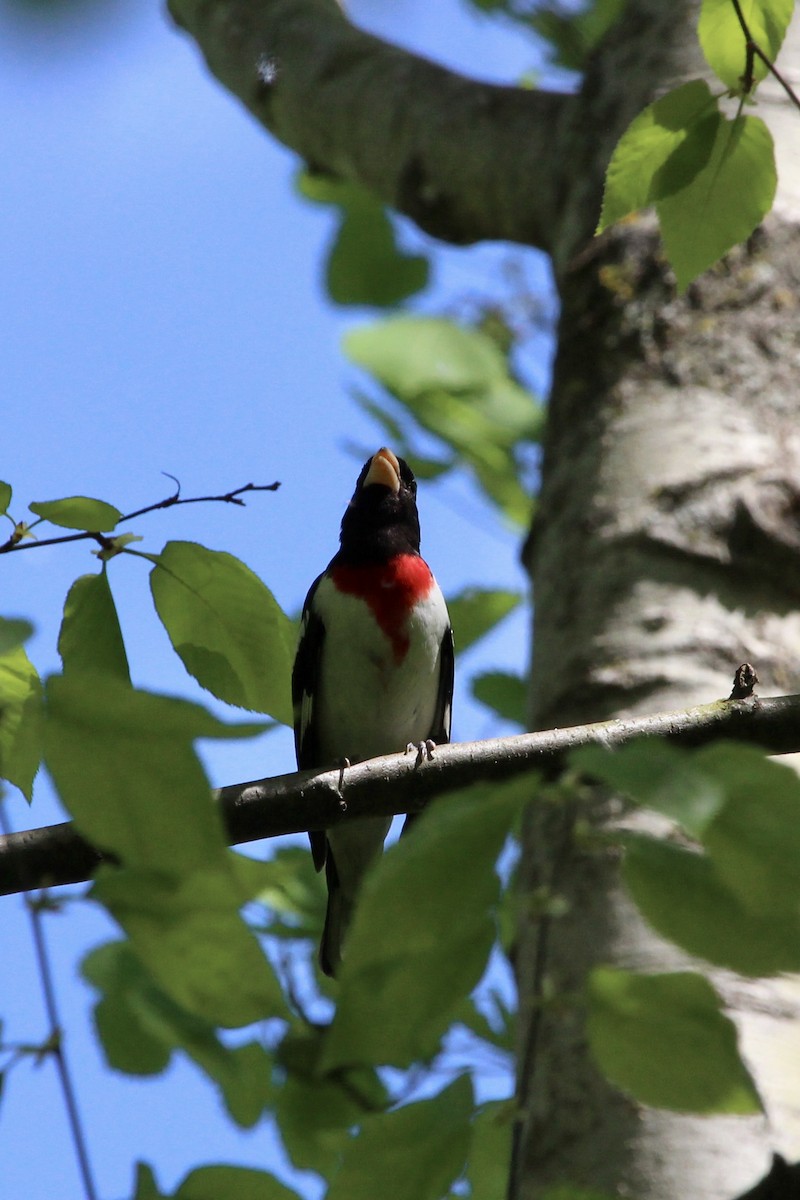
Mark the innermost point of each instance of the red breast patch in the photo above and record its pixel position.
(391, 590)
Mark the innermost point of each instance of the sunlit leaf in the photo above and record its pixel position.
(125, 767)
(365, 264)
(21, 720)
(140, 1027)
(725, 200)
(682, 896)
(665, 1039)
(634, 177)
(477, 611)
(754, 838)
(658, 776)
(78, 512)
(232, 1183)
(490, 1151)
(187, 933)
(226, 626)
(316, 1113)
(90, 638)
(408, 966)
(723, 41)
(5, 496)
(378, 1161)
(505, 694)
(456, 384)
(13, 632)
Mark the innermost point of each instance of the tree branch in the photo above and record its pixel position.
(465, 160)
(13, 544)
(303, 800)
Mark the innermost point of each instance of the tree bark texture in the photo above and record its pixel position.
(666, 547)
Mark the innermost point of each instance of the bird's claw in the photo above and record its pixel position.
(344, 763)
(423, 750)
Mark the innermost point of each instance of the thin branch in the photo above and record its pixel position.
(106, 540)
(54, 1042)
(304, 800)
(752, 51)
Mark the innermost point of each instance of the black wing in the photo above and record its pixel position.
(305, 680)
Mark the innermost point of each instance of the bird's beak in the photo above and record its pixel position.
(384, 469)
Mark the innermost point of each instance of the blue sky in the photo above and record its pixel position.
(162, 310)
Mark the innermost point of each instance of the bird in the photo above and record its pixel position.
(373, 672)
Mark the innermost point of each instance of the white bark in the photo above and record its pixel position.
(666, 551)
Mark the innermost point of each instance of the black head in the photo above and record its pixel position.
(381, 519)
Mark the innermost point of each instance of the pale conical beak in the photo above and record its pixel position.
(385, 469)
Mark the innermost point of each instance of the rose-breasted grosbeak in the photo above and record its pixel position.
(374, 667)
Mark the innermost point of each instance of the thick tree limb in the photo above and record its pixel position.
(57, 854)
(465, 160)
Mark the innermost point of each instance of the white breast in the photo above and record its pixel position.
(370, 704)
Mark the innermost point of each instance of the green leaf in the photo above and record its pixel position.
(146, 1186)
(186, 931)
(664, 1039)
(377, 1162)
(140, 1027)
(728, 197)
(233, 1183)
(226, 626)
(754, 839)
(742, 805)
(477, 611)
(723, 41)
(455, 382)
(292, 892)
(490, 1152)
(408, 966)
(572, 35)
(124, 765)
(505, 694)
(90, 638)
(365, 265)
(315, 1114)
(13, 632)
(658, 776)
(78, 512)
(5, 496)
(681, 895)
(21, 720)
(636, 175)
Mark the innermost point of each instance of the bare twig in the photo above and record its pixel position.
(303, 800)
(753, 51)
(54, 1042)
(106, 541)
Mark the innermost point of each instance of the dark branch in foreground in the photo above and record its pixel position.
(57, 854)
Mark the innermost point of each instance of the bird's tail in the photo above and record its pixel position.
(337, 920)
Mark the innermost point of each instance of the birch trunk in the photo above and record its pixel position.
(666, 551)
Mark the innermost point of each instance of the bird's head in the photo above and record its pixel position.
(381, 518)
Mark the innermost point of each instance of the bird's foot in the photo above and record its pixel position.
(424, 750)
(344, 763)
